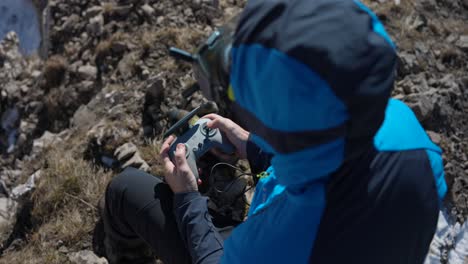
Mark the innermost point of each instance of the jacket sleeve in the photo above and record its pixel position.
(196, 228)
(194, 222)
(259, 160)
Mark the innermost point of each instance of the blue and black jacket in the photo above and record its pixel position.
(353, 176)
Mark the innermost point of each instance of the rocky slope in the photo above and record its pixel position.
(109, 86)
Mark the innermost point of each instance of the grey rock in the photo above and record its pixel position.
(87, 72)
(93, 11)
(462, 43)
(126, 66)
(63, 249)
(148, 10)
(10, 175)
(23, 190)
(435, 137)
(160, 20)
(422, 106)
(452, 38)
(145, 74)
(129, 156)
(86, 257)
(409, 63)
(12, 89)
(24, 89)
(125, 151)
(429, 5)
(137, 162)
(416, 22)
(8, 210)
(448, 82)
(96, 25)
(412, 84)
(46, 140)
(83, 118)
(123, 10)
(70, 23)
(422, 47)
(86, 86)
(440, 67)
(76, 65)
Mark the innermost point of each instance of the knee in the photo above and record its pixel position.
(122, 181)
(132, 186)
(124, 186)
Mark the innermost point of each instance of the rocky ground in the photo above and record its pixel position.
(104, 96)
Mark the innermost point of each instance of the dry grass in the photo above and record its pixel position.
(150, 153)
(179, 37)
(54, 71)
(108, 7)
(104, 48)
(64, 209)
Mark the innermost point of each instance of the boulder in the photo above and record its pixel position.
(86, 257)
(129, 156)
(462, 43)
(87, 72)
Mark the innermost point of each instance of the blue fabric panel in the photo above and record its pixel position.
(282, 228)
(376, 24)
(268, 189)
(402, 131)
(283, 93)
(309, 165)
(437, 166)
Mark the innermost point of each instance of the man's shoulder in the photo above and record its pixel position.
(402, 131)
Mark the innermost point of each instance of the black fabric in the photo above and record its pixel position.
(335, 38)
(141, 206)
(288, 142)
(201, 237)
(259, 160)
(382, 208)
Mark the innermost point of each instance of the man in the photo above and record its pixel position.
(353, 177)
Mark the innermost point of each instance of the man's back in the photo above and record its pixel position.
(313, 80)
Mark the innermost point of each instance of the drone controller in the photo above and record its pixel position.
(198, 140)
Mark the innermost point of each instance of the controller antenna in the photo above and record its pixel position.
(180, 54)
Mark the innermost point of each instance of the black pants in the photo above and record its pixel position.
(140, 207)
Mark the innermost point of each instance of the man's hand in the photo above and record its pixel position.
(236, 134)
(178, 174)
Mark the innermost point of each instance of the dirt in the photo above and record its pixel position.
(108, 81)
(430, 36)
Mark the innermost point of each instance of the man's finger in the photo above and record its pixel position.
(220, 123)
(167, 144)
(215, 122)
(212, 116)
(180, 158)
(168, 165)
